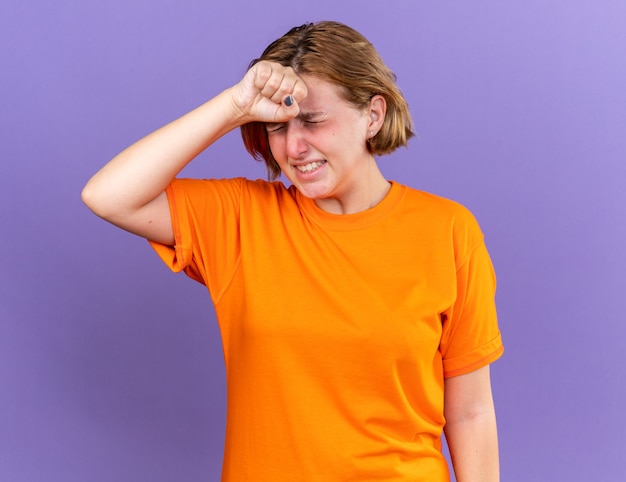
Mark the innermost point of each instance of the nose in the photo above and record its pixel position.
(296, 142)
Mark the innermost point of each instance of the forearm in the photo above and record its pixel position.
(142, 171)
(473, 445)
(470, 428)
(130, 190)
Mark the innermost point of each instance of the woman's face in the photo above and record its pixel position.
(323, 151)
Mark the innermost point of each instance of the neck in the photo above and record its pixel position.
(371, 191)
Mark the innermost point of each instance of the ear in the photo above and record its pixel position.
(377, 111)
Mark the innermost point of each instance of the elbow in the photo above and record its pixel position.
(88, 197)
(92, 198)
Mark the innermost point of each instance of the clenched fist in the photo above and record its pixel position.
(269, 92)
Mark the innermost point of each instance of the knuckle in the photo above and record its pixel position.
(273, 83)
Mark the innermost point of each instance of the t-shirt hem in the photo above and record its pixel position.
(494, 350)
(175, 257)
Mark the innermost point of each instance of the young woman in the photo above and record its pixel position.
(357, 314)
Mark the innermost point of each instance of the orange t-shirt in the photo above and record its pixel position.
(337, 330)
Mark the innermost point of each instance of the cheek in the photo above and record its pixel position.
(277, 147)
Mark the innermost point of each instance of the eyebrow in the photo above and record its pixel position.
(305, 116)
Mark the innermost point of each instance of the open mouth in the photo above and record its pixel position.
(310, 167)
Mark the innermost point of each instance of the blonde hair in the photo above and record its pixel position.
(340, 55)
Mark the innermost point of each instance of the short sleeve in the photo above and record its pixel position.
(471, 337)
(205, 221)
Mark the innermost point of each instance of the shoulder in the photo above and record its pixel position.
(261, 187)
(447, 217)
(437, 207)
(232, 187)
(266, 193)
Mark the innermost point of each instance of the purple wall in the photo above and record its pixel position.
(111, 367)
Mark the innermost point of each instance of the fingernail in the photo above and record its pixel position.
(288, 101)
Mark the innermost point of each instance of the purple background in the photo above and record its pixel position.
(111, 367)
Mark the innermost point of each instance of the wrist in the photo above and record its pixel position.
(232, 109)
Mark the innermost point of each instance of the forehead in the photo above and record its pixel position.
(321, 94)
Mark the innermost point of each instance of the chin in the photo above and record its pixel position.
(313, 191)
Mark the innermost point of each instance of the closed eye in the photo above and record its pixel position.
(311, 117)
(274, 127)
(309, 120)
(312, 121)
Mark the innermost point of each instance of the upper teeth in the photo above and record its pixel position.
(309, 167)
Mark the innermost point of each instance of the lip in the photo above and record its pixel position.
(310, 175)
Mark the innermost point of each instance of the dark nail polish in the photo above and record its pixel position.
(288, 101)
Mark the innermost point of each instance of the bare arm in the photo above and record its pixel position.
(471, 427)
(129, 191)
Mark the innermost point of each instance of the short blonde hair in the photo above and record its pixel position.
(340, 55)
